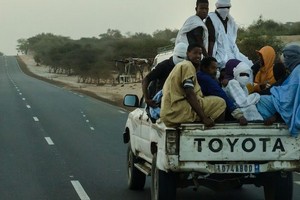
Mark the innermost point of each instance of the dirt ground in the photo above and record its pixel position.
(107, 93)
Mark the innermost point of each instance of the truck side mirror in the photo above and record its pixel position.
(131, 100)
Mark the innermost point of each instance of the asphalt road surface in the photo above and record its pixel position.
(56, 144)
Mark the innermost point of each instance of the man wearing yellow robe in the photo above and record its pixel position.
(183, 101)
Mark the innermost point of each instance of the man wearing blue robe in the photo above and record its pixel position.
(285, 99)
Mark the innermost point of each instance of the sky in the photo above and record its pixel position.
(89, 18)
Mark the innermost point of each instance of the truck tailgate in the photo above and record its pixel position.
(254, 142)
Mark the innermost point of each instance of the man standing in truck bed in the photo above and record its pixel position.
(194, 30)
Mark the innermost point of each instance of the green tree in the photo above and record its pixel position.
(166, 34)
(22, 46)
(111, 34)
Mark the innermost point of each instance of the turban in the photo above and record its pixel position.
(223, 3)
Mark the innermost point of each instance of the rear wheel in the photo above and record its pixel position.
(135, 178)
(278, 186)
(163, 185)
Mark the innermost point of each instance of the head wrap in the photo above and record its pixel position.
(242, 68)
(223, 3)
(268, 55)
(229, 66)
(179, 53)
(291, 56)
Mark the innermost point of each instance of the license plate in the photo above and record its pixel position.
(236, 168)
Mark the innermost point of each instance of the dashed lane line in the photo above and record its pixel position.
(297, 182)
(28, 106)
(80, 191)
(35, 119)
(121, 111)
(92, 128)
(49, 141)
(23, 99)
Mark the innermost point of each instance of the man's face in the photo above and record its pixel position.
(212, 69)
(260, 60)
(202, 10)
(195, 55)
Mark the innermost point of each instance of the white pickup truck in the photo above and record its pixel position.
(225, 156)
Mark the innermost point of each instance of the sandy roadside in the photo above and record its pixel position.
(107, 93)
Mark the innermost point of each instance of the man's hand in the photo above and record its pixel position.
(270, 120)
(151, 103)
(224, 82)
(208, 122)
(264, 85)
(243, 121)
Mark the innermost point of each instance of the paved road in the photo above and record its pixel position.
(56, 144)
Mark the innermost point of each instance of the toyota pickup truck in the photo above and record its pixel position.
(222, 157)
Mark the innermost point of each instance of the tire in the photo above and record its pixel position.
(135, 178)
(163, 184)
(278, 186)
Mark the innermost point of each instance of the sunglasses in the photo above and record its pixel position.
(224, 7)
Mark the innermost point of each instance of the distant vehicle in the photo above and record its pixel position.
(223, 157)
(163, 54)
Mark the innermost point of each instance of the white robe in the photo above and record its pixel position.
(244, 101)
(225, 47)
(190, 24)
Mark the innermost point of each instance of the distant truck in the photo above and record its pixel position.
(223, 157)
(164, 53)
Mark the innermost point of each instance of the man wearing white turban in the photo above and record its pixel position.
(161, 72)
(236, 89)
(222, 31)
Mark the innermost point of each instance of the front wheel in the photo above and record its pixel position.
(135, 178)
(163, 185)
(278, 186)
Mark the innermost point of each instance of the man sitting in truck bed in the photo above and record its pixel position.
(183, 100)
(209, 85)
(285, 99)
(161, 72)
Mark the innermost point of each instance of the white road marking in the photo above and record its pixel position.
(87, 121)
(28, 106)
(35, 119)
(80, 191)
(48, 139)
(23, 99)
(84, 115)
(297, 182)
(20, 93)
(121, 111)
(92, 128)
